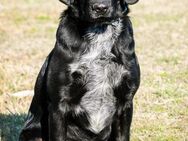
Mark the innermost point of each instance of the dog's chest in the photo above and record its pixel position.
(99, 75)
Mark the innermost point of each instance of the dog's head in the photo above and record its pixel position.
(97, 10)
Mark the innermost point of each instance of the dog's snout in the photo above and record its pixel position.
(100, 8)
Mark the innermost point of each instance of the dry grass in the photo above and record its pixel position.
(27, 34)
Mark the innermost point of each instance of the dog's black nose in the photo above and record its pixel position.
(100, 8)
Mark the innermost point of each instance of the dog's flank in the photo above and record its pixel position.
(85, 89)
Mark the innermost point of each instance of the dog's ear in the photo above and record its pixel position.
(131, 1)
(67, 2)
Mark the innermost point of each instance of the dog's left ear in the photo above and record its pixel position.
(131, 1)
(67, 2)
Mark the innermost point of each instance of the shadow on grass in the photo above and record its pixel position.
(10, 126)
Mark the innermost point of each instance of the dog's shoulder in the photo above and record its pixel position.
(68, 31)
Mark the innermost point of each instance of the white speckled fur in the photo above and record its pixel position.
(101, 75)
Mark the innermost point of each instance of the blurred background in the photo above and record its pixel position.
(27, 34)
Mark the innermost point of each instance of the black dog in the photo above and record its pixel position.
(85, 89)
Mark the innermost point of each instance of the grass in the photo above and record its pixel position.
(10, 127)
(27, 34)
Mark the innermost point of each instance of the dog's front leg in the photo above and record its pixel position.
(57, 126)
(121, 125)
(125, 123)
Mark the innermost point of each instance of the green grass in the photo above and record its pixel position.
(27, 34)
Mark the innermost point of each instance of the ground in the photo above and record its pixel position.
(27, 34)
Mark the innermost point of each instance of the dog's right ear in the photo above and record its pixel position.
(67, 2)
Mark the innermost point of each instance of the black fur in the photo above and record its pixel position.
(56, 112)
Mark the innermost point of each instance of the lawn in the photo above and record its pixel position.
(27, 34)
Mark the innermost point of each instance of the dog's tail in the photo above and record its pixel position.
(36, 125)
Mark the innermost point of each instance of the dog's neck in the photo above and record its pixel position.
(77, 37)
(84, 31)
(104, 32)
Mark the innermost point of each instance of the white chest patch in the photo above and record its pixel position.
(100, 75)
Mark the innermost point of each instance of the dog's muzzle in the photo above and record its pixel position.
(100, 9)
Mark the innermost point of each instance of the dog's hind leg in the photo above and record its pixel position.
(36, 126)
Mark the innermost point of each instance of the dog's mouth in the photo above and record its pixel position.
(99, 13)
(103, 20)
